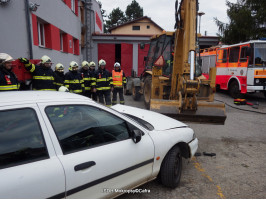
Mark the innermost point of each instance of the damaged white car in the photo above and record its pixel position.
(62, 145)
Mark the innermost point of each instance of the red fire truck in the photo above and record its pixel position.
(241, 68)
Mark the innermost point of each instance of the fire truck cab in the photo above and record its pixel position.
(241, 68)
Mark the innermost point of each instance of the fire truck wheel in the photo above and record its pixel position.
(234, 90)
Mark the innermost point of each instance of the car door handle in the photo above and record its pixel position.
(84, 165)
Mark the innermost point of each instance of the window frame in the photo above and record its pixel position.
(136, 28)
(41, 33)
(73, 4)
(47, 156)
(128, 126)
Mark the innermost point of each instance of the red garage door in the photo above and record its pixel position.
(142, 54)
(126, 58)
(107, 52)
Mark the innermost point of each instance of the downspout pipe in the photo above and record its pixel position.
(86, 24)
(28, 28)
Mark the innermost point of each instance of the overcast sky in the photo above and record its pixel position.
(162, 12)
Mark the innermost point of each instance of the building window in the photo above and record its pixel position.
(61, 41)
(135, 28)
(41, 34)
(148, 27)
(73, 6)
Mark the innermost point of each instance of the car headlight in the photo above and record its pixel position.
(257, 81)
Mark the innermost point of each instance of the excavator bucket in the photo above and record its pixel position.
(207, 112)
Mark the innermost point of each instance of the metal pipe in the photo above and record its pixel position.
(192, 64)
(28, 28)
(86, 37)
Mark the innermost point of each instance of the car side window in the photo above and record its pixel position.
(21, 138)
(79, 127)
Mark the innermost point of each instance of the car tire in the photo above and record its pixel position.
(234, 90)
(171, 168)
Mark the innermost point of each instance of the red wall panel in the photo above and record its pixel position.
(107, 52)
(48, 35)
(127, 58)
(35, 30)
(98, 21)
(141, 54)
(76, 46)
(76, 8)
(67, 43)
(68, 3)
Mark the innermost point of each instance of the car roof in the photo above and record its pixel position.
(14, 97)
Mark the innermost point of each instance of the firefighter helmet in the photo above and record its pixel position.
(92, 64)
(63, 89)
(117, 64)
(85, 64)
(59, 67)
(102, 62)
(4, 57)
(72, 65)
(46, 59)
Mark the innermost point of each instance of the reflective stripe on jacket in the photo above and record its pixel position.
(8, 80)
(74, 82)
(104, 80)
(43, 77)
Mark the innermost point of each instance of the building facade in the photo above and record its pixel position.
(33, 28)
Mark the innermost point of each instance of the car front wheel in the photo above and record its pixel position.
(171, 168)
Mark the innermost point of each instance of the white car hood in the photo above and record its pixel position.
(157, 120)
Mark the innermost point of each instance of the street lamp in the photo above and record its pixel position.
(200, 14)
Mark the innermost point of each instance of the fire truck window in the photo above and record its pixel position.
(234, 54)
(222, 56)
(243, 55)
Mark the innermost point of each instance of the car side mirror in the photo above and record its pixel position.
(136, 136)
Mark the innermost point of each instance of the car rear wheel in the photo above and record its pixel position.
(171, 168)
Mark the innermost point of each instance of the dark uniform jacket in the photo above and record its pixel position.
(59, 79)
(74, 82)
(43, 77)
(89, 82)
(8, 80)
(104, 80)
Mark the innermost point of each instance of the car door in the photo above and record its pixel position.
(97, 151)
(29, 167)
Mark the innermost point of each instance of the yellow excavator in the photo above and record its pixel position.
(171, 82)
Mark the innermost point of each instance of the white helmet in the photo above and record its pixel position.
(117, 64)
(4, 57)
(102, 62)
(63, 89)
(46, 59)
(59, 67)
(92, 64)
(85, 64)
(73, 64)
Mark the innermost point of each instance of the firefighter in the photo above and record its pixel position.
(60, 76)
(73, 79)
(104, 83)
(119, 80)
(8, 80)
(92, 74)
(43, 76)
(86, 78)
